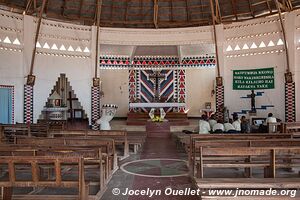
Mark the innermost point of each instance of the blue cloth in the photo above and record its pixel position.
(5, 105)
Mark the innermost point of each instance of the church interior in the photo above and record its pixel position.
(149, 99)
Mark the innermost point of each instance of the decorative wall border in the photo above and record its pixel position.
(290, 102)
(95, 107)
(28, 104)
(156, 62)
(219, 102)
(12, 88)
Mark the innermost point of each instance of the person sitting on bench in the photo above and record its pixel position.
(236, 124)
(218, 127)
(204, 126)
(228, 127)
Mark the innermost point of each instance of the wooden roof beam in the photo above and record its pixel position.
(155, 13)
(250, 8)
(126, 11)
(218, 17)
(233, 5)
(80, 8)
(269, 6)
(187, 10)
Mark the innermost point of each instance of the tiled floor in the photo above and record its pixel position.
(155, 151)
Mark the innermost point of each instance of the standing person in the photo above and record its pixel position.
(204, 126)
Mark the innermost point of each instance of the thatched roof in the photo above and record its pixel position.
(151, 13)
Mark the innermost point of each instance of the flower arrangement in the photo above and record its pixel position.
(157, 119)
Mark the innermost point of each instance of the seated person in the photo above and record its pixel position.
(271, 119)
(212, 121)
(204, 126)
(263, 128)
(245, 125)
(236, 124)
(228, 127)
(218, 127)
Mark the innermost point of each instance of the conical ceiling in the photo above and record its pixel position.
(151, 13)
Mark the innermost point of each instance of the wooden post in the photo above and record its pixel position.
(57, 173)
(96, 81)
(6, 193)
(215, 36)
(30, 76)
(101, 175)
(284, 36)
(272, 164)
(200, 171)
(155, 13)
(83, 193)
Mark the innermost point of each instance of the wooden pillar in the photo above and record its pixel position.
(219, 79)
(31, 77)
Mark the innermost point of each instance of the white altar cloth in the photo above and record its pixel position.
(155, 105)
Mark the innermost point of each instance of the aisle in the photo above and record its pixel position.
(160, 169)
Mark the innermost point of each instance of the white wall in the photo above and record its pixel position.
(47, 71)
(115, 88)
(79, 66)
(199, 84)
(11, 68)
(259, 30)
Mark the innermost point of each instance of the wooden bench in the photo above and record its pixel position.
(39, 130)
(9, 131)
(241, 143)
(107, 147)
(136, 140)
(270, 163)
(185, 140)
(54, 125)
(190, 139)
(288, 127)
(120, 137)
(33, 164)
(230, 185)
(269, 155)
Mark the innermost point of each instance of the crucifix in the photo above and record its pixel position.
(157, 76)
(70, 99)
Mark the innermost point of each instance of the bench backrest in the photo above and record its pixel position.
(107, 145)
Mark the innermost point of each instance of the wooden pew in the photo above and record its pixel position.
(271, 163)
(241, 143)
(92, 155)
(120, 137)
(289, 127)
(39, 130)
(190, 139)
(127, 139)
(9, 131)
(107, 146)
(58, 162)
(54, 125)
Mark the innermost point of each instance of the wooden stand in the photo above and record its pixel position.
(158, 129)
